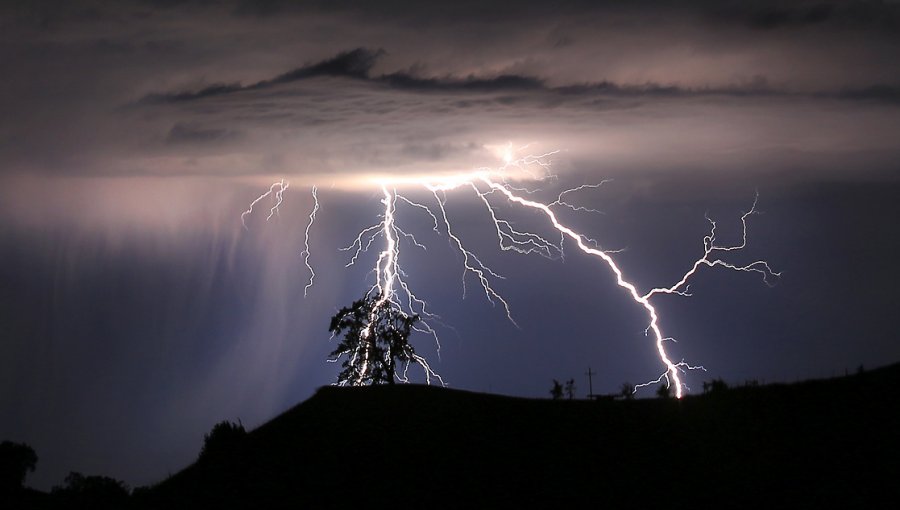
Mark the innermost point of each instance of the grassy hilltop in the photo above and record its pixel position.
(807, 444)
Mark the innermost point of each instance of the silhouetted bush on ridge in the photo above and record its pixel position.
(16, 461)
(225, 438)
(91, 492)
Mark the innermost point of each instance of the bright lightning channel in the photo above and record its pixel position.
(388, 277)
(277, 191)
(306, 253)
(390, 285)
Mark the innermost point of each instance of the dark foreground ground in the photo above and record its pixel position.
(813, 444)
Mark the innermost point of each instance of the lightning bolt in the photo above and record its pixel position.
(388, 277)
(276, 190)
(672, 369)
(305, 253)
(391, 287)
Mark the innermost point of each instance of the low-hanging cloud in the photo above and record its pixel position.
(339, 117)
(212, 88)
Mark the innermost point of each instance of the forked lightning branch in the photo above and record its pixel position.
(491, 185)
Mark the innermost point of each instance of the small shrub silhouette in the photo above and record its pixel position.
(93, 492)
(224, 439)
(16, 461)
(664, 391)
(570, 388)
(557, 390)
(715, 386)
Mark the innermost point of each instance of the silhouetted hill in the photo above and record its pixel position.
(817, 443)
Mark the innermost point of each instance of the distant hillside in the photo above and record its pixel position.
(818, 443)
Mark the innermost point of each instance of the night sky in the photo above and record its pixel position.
(136, 311)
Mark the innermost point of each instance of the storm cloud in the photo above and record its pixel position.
(97, 89)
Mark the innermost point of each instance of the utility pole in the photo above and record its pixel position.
(590, 382)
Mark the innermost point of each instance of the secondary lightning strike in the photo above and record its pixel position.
(389, 277)
(276, 191)
(480, 270)
(278, 196)
(672, 368)
(537, 244)
(305, 253)
(524, 242)
(559, 199)
(710, 247)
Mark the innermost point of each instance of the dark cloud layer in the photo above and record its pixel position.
(351, 64)
(358, 63)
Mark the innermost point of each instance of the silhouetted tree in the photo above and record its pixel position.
(557, 390)
(627, 391)
(16, 460)
(664, 391)
(376, 334)
(224, 438)
(570, 388)
(715, 386)
(93, 492)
